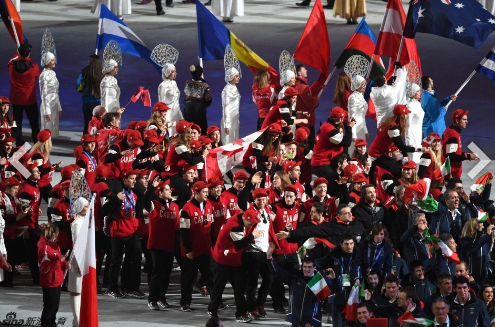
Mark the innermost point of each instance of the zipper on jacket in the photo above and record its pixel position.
(302, 307)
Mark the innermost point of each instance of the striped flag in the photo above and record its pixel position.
(408, 318)
(443, 170)
(319, 287)
(350, 309)
(9, 12)
(447, 252)
(482, 216)
(480, 183)
(487, 65)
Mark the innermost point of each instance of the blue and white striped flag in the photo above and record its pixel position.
(112, 28)
(487, 66)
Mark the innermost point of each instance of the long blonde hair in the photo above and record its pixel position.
(184, 138)
(261, 79)
(413, 180)
(157, 119)
(49, 230)
(44, 147)
(470, 228)
(437, 157)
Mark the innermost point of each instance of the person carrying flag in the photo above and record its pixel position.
(433, 120)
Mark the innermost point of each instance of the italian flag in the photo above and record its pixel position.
(480, 183)
(312, 242)
(443, 170)
(409, 319)
(482, 216)
(85, 256)
(319, 287)
(350, 309)
(446, 251)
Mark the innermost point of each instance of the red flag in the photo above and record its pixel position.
(145, 97)
(371, 112)
(85, 256)
(314, 46)
(8, 11)
(137, 95)
(390, 36)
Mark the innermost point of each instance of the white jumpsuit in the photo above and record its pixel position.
(231, 99)
(2, 243)
(50, 102)
(357, 109)
(414, 129)
(227, 9)
(110, 93)
(75, 278)
(169, 93)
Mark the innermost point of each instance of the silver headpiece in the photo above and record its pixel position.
(286, 67)
(356, 82)
(48, 49)
(413, 76)
(231, 64)
(79, 188)
(165, 56)
(112, 56)
(356, 65)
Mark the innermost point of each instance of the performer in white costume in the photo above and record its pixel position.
(3, 250)
(414, 129)
(118, 7)
(109, 87)
(80, 206)
(169, 93)
(50, 108)
(227, 9)
(231, 99)
(357, 109)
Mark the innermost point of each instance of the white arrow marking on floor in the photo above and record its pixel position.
(484, 160)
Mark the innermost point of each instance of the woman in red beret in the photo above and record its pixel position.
(264, 95)
(284, 110)
(7, 122)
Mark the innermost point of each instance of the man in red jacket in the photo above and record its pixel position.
(234, 237)
(23, 74)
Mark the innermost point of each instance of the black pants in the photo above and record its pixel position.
(88, 113)
(158, 4)
(31, 245)
(195, 112)
(119, 246)
(237, 278)
(45, 192)
(290, 263)
(260, 123)
(13, 248)
(188, 273)
(255, 265)
(33, 117)
(103, 248)
(181, 188)
(125, 274)
(51, 302)
(160, 275)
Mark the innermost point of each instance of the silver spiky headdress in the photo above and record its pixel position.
(48, 49)
(356, 65)
(231, 64)
(112, 56)
(165, 56)
(286, 67)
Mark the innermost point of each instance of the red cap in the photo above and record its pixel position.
(409, 165)
(196, 127)
(198, 186)
(302, 134)
(132, 124)
(391, 147)
(143, 172)
(288, 165)
(31, 167)
(25, 158)
(240, 174)
(252, 216)
(4, 100)
(88, 138)
(44, 135)
(66, 172)
(275, 128)
(185, 167)
(214, 182)
(65, 184)
(128, 172)
(400, 110)
(141, 124)
(203, 139)
(360, 142)
(152, 136)
(320, 180)
(160, 106)
(182, 126)
(135, 137)
(101, 171)
(260, 193)
(338, 112)
(12, 181)
(195, 144)
(350, 170)
(9, 139)
(212, 129)
(291, 188)
(290, 92)
(161, 185)
(359, 178)
(459, 113)
(292, 142)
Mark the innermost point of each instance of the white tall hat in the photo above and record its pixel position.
(230, 74)
(47, 57)
(356, 82)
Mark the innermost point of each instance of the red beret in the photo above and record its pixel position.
(198, 186)
(260, 193)
(88, 138)
(64, 185)
(66, 172)
(196, 127)
(350, 170)
(152, 136)
(302, 134)
(459, 113)
(240, 174)
(320, 180)
(292, 142)
(101, 171)
(400, 110)
(290, 164)
(392, 147)
(143, 172)
(291, 188)
(360, 142)
(252, 216)
(203, 139)
(128, 172)
(275, 128)
(290, 92)
(32, 166)
(161, 185)
(185, 167)
(359, 178)
(4, 100)
(212, 129)
(12, 181)
(9, 139)
(409, 165)
(44, 135)
(338, 112)
(141, 124)
(160, 106)
(135, 137)
(195, 144)
(182, 126)
(214, 182)
(132, 124)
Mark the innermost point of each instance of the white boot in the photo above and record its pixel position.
(75, 305)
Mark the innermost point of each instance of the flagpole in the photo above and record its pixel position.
(464, 84)
(15, 32)
(400, 49)
(370, 66)
(328, 79)
(100, 22)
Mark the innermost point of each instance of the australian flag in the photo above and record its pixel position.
(465, 21)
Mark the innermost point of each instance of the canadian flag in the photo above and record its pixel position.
(85, 256)
(222, 159)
